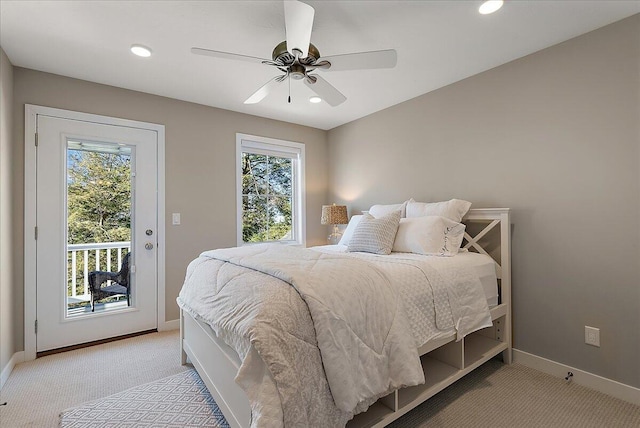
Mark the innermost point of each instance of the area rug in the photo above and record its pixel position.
(177, 401)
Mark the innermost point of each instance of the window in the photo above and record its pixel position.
(270, 186)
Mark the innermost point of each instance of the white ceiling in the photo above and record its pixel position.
(438, 43)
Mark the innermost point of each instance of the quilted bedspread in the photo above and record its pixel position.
(320, 335)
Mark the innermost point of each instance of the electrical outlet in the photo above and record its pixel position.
(592, 336)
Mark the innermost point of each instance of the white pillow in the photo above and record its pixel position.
(453, 209)
(382, 210)
(429, 235)
(375, 235)
(348, 231)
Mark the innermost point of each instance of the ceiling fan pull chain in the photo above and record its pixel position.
(289, 91)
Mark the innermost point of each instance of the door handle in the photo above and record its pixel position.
(148, 246)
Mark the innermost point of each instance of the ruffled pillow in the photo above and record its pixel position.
(429, 235)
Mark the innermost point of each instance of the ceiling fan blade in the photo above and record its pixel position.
(227, 55)
(259, 95)
(324, 89)
(298, 21)
(362, 60)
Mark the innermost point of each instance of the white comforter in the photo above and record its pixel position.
(358, 317)
(366, 346)
(441, 295)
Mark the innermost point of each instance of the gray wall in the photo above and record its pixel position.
(200, 166)
(7, 290)
(555, 136)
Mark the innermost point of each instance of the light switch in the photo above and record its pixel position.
(175, 218)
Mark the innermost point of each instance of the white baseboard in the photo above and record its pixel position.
(17, 358)
(169, 325)
(590, 380)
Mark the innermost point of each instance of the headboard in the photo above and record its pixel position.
(490, 218)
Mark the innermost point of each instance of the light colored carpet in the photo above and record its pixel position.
(501, 396)
(37, 391)
(179, 401)
(494, 395)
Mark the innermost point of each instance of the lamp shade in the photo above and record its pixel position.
(334, 214)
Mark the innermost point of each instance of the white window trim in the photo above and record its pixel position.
(277, 147)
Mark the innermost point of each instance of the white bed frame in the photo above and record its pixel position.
(444, 361)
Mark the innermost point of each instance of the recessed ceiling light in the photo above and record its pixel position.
(315, 100)
(140, 50)
(490, 6)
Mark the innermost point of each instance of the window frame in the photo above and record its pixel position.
(264, 145)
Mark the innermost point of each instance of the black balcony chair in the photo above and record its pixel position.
(119, 283)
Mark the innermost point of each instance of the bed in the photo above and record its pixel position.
(307, 365)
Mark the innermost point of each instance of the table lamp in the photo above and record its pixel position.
(334, 215)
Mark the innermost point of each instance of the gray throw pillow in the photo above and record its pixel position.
(375, 235)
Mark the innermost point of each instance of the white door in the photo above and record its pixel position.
(96, 201)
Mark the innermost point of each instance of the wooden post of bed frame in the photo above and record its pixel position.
(505, 256)
(183, 354)
(497, 216)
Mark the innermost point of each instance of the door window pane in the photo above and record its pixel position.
(98, 227)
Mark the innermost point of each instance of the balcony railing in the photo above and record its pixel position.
(84, 258)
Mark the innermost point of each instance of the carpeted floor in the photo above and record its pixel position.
(37, 391)
(500, 396)
(495, 395)
(180, 401)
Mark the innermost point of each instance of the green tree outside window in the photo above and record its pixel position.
(99, 197)
(267, 197)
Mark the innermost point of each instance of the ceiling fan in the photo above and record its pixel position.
(298, 58)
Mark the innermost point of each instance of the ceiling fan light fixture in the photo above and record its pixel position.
(315, 99)
(490, 6)
(141, 51)
(297, 72)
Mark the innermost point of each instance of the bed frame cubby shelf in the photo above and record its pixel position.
(442, 367)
